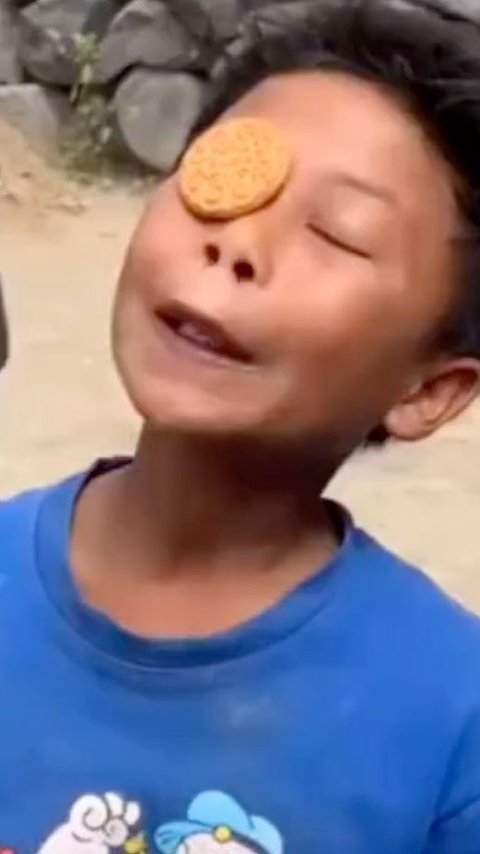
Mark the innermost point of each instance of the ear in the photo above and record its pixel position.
(435, 400)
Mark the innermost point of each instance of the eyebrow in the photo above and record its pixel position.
(364, 186)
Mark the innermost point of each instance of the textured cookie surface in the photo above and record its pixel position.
(234, 168)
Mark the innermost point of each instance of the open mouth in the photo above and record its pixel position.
(204, 337)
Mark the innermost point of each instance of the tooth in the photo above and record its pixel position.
(193, 333)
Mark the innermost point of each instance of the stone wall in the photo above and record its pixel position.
(157, 60)
(156, 63)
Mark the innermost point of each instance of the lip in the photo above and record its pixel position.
(201, 338)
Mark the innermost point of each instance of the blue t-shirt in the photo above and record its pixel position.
(346, 720)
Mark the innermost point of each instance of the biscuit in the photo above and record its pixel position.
(234, 168)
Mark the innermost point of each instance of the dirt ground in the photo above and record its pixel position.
(61, 405)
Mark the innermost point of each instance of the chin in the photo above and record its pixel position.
(167, 407)
(187, 405)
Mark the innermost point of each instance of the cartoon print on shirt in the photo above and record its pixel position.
(98, 824)
(217, 824)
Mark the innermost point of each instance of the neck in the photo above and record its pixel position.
(200, 535)
(191, 500)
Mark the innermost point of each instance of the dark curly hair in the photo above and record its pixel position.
(425, 53)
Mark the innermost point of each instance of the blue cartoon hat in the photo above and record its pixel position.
(222, 817)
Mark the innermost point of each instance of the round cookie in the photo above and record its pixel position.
(234, 168)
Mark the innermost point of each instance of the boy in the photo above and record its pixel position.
(310, 693)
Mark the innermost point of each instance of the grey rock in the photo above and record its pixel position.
(255, 5)
(263, 20)
(210, 19)
(155, 112)
(47, 31)
(10, 67)
(35, 111)
(468, 9)
(273, 16)
(146, 32)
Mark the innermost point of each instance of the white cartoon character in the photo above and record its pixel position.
(217, 824)
(98, 824)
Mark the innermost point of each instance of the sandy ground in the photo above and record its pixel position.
(61, 404)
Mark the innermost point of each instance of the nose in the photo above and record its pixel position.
(242, 268)
(237, 249)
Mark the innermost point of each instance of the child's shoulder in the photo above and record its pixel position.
(409, 584)
(20, 514)
(21, 511)
(416, 615)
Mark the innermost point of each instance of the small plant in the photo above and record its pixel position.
(88, 135)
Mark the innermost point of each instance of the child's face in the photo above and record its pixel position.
(350, 270)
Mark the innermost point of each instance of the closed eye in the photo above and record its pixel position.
(344, 246)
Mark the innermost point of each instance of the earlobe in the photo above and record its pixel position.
(439, 398)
